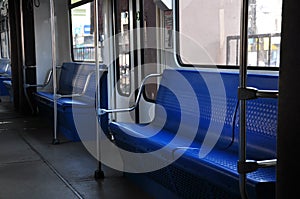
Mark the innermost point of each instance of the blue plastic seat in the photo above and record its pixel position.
(72, 80)
(184, 101)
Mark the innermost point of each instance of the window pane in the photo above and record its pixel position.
(123, 50)
(4, 33)
(204, 27)
(210, 32)
(149, 53)
(83, 38)
(264, 32)
(83, 32)
(4, 45)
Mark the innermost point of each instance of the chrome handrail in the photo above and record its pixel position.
(267, 163)
(46, 82)
(141, 89)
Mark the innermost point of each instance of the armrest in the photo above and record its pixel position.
(141, 89)
(47, 80)
(6, 68)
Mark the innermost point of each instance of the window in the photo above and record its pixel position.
(144, 17)
(264, 32)
(149, 51)
(4, 32)
(209, 32)
(82, 20)
(123, 46)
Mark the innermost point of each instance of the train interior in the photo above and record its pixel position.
(148, 99)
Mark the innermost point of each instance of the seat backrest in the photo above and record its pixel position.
(73, 77)
(198, 102)
(5, 67)
(207, 102)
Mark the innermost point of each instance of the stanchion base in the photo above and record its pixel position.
(99, 175)
(55, 142)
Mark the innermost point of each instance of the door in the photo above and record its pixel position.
(136, 55)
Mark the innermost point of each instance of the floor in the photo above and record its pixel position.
(32, 167)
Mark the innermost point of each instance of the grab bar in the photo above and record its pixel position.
(104, 111)
(46, 82)
(249, 93)
(252, 165)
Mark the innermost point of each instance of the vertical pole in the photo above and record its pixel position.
(257, 50)
(243, 84)
(270, 49)
(236, 51)
(99, 174)
(24, 67)
(53, 47)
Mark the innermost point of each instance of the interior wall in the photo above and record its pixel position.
(63, 32)
(43, 40)
(43, 36)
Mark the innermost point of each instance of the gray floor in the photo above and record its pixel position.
(31, 167)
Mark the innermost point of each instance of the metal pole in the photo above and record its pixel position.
(270, 49)
(53, 46)
(243, 84)
(24, 67)
(99, 174)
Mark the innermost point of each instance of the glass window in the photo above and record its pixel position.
(4, 31)
(82, 20)
(123, 46)
(264, 32)
(149, 51)
(210, 32)
(4, 45)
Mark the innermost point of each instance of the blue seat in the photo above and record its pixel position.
(4, 90)
(216, 120)
(5, 67)
(5, 75)
(74, 77)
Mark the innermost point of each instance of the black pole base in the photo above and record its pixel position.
(99, 174)
(55, 142)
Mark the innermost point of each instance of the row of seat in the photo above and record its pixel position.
(198, 120)
(76, 103)
(196, 125)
